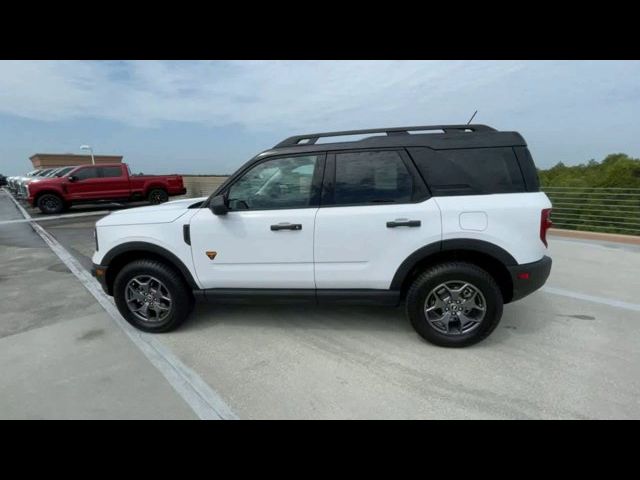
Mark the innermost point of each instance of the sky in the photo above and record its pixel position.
(209, 117)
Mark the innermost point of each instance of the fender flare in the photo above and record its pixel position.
(152, 186)
(457, 244)
(47, 190)
(151, 248)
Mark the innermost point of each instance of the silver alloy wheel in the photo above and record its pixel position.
(148, 299)
(455, 307)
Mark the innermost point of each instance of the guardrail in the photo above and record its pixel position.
(609, 210)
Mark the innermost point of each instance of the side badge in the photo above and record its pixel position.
(211, 254)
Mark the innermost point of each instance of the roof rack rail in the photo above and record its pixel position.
(312, 138)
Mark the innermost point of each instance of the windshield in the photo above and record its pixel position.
(61, 172)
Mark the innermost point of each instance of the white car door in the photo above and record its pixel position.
(375, 212)
(266, 239)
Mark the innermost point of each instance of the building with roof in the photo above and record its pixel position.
(50, 160)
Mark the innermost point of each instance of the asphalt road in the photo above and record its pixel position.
(569, 351)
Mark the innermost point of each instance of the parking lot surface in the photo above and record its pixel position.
(570, 350)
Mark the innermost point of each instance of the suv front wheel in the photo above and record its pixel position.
(454, 304)
(152, 296)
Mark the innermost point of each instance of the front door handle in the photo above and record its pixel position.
(286, 226)
(404, 223)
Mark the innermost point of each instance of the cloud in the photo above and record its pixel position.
(251, 94)
(296, 96)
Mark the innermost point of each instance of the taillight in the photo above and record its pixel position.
(545, 224)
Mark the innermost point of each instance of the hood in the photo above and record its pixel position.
(164, 213)
(44, 179)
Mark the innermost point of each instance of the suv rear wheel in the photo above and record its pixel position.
(454, 304)
(152, 296)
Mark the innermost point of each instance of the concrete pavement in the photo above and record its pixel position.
(552, 356)
(61, 356)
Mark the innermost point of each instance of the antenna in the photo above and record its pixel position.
(472, 117)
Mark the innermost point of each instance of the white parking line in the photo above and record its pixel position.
(592, 298)
(53, 217)
(203, 400)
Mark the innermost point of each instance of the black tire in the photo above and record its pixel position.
(454, 272)
(180, 294)
(50, 203)
(157, 196)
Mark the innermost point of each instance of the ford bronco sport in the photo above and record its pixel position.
(447, 219)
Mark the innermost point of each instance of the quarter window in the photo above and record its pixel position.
(469, 171)
(279, 183)
(372, 178)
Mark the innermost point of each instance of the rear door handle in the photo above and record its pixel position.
(286, 226)
(404, 223)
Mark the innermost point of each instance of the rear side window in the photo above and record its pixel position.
(372, 177)
(469, 171)
(85, 173)
(110, 171)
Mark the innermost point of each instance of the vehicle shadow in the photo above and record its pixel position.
(517, 319)
(326, 317)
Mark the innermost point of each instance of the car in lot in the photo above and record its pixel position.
(14, 182)
(53, 173)
(101, 183)
(448, 220)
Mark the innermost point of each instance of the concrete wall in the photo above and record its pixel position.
(202, 185)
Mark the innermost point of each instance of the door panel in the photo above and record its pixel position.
(87, 185)
(354, 248)
(114, 183)
(266, 240)
(375, 212)
(249, 253)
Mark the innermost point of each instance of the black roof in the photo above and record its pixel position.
(443, 137)
(450, 136)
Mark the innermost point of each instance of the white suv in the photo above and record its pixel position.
(452, 223)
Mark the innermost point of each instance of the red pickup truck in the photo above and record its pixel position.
(101, 183)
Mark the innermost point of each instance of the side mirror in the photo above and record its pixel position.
(219, 205)
(72, 178)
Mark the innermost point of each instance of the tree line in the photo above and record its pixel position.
(598, 196)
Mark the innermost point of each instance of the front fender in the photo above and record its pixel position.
(144, 246)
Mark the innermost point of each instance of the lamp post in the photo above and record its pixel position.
(88, 147)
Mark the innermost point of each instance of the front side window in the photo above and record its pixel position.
(86, 173)
(371, 178)
(279, 183)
